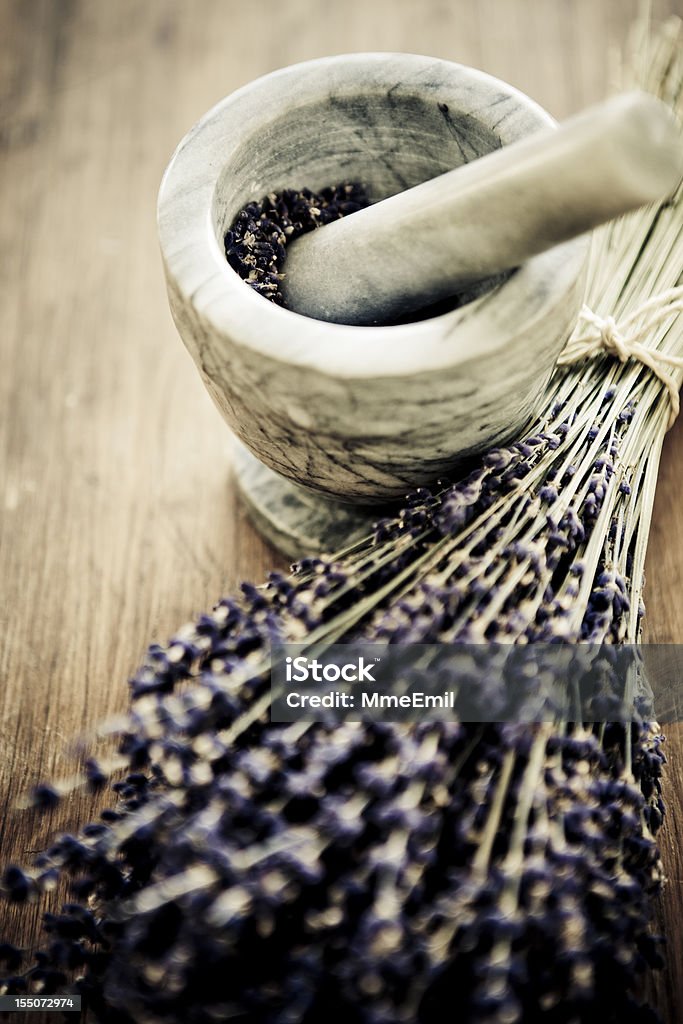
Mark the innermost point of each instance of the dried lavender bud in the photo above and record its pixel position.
(255, 244)
(17, 884)
(11, 956)
(44, 796)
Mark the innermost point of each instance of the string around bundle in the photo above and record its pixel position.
(625, 340)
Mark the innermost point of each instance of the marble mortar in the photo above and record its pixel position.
(358, 414)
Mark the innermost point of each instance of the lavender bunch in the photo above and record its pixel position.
(404, 867)
(377, 872)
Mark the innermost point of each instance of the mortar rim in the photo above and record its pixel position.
(222, 303)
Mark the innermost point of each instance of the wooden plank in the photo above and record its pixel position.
(119, 520)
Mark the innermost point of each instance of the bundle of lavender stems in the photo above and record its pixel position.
(377, 872)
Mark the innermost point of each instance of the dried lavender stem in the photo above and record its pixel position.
(481, 859)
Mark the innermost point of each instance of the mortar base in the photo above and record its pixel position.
(294, 520)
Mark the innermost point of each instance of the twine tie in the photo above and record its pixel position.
(625, 340)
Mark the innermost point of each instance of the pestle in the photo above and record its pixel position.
(425, 244)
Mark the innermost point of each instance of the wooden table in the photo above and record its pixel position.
(119, 517)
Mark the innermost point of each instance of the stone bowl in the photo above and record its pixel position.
(358, 414)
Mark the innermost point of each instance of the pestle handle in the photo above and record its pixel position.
(423, 245)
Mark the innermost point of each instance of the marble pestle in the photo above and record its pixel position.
(425, 244)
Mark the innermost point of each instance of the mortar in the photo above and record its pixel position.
(356, 415)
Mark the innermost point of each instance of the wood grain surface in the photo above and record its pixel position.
(119, 517)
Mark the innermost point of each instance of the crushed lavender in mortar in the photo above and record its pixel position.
(255, 244)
